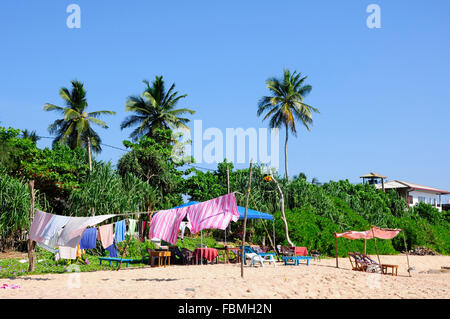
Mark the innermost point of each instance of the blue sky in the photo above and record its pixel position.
(383, 93)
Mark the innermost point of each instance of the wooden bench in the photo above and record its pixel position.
(116, 259)
(295, 260)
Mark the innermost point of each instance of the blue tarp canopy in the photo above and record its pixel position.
(251, 214)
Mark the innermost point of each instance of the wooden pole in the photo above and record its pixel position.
(376, 248)
(228, 189)
(125, 248)
(337, 262)
(30, 243)
(365, 246)
(245, 218)
(406, 249)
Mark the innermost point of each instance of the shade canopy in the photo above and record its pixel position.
(251, 214)
(382, 233)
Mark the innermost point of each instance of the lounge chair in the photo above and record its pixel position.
(285, 251)
(372, 265)
(251, 251)
(256, 258)
(315, 254)
(357, 263)
(188, 257)
(176, 252)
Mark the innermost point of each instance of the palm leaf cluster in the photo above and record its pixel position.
(155, 109)
(74, 129)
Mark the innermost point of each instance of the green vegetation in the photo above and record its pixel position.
(152, 176)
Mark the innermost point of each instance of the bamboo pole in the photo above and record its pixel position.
(228, 189)
(406, 249)
(30, 243)
(337, 262)
(125, 248)
(376, 248)
(245, 219)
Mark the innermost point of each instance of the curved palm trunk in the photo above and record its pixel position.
(286, 152)
(282, 211)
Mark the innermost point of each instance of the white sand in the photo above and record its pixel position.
(318, 280)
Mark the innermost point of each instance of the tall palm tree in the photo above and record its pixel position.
(155, 108)
(31, 135)
(74, 129)
(285, 105)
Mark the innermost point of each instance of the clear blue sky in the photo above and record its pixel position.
(383, 93)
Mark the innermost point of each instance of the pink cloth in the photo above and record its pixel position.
(6, 286)
(166, 223)
(40, 220)
(300, 251)
(368, 234)
(215, 213)
(105, 235)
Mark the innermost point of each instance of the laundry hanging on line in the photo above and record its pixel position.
(216, 213)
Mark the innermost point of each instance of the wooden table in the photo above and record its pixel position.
(384, 268)
(163, 258)
(208, 253)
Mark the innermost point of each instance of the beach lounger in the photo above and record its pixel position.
(372, 265)
(285, 251)
(250, 250)
(357, 263)
(188, 257)
(256, 258)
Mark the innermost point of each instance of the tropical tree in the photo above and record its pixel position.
(155, 108)
(31, 135)
(74, 129)
(285, 105)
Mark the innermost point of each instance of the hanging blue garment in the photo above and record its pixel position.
(89, 239)
(120, 230)
(112, 250)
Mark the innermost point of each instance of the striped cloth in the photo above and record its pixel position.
(166, 223)
(215, 213)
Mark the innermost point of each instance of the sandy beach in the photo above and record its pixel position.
(223, 281)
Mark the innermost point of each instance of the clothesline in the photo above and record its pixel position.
(66, 232)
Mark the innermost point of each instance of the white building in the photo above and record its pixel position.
(415, 193)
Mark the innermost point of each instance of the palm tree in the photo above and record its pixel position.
(155, 108)
(74, 129)
(286, 105)
(31, 135)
